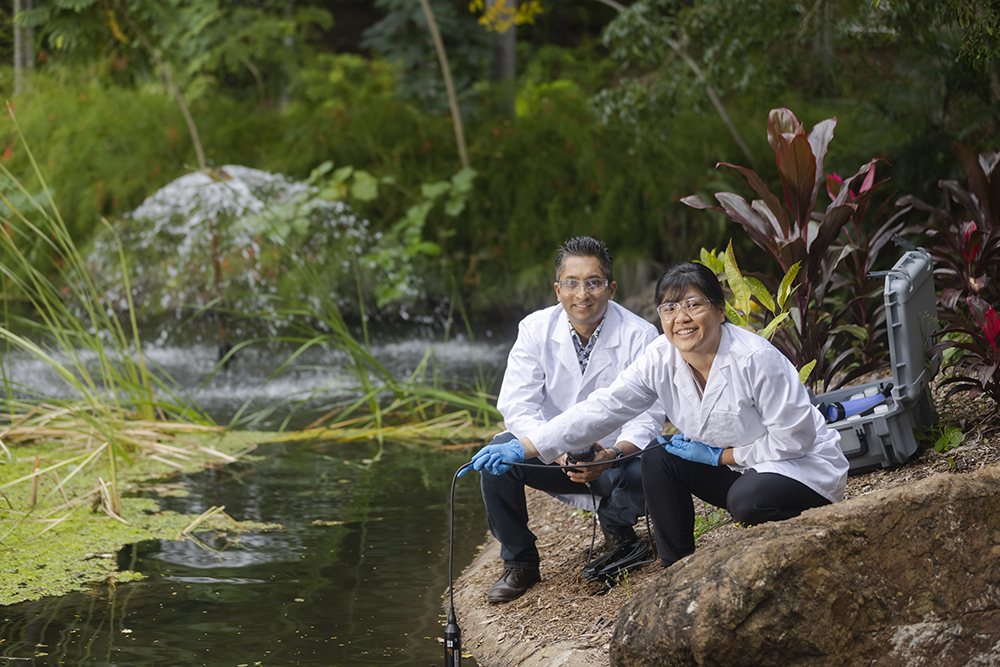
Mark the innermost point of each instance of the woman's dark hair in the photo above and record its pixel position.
(584, 246)
(676, 280)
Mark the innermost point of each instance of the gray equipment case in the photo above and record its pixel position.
(883, 436)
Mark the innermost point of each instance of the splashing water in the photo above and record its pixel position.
(267, 226)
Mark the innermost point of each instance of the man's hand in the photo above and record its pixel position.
(490, 458)
(591, 472)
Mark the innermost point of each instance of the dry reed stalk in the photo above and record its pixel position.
(215, 452)
(33, 495)
(108, 501)
(204, 516)
(466, 423)
(172, 464)
(156, 449)
(55, 522)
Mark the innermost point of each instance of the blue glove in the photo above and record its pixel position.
(690, 450)
(504, 447)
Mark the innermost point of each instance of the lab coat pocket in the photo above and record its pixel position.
(732, 428)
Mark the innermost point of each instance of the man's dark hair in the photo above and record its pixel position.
(676, 280)
(584, 246)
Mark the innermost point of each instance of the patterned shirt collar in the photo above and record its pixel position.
(583, 351)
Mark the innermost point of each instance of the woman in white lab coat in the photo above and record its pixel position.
(750, 440)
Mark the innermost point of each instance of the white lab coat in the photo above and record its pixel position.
(753, 402)
(543, 377)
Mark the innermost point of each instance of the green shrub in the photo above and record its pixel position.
(103, 149)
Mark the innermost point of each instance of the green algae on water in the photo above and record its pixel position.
(67, 542)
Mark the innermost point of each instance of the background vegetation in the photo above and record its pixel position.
(610, 126)
(580, 118)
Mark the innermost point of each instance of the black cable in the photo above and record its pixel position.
(453, 642)
(620, 459)
(454, 479)
(451, 536)
(593, 532)
(593, 536)
(452, 633)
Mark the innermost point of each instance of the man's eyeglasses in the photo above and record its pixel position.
(693, 306)
(592, 285)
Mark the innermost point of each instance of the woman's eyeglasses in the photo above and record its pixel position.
(592, 285)
(693, 306)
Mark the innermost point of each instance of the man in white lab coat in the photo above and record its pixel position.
(562, 354)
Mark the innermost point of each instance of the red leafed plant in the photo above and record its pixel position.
(966, 262)
(967, 253)
(975, 370)
(792, 231)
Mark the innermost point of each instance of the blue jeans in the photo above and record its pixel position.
(507, 511)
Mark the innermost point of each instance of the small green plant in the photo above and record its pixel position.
(977, 335)
(396, 251)
(624, 582)
(711, 518)
(945, 437)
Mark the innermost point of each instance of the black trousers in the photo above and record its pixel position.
(621, 503)
(751, 497)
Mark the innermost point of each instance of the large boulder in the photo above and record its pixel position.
(905, 576)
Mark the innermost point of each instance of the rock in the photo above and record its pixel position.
(908, 576)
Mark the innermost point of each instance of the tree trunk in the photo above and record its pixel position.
(456, 116)
(171, 86)
(689, 61)
(823, 42)
(289, 42)
(503, 67)
(24, 46)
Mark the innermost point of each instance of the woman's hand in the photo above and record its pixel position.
(691, 450)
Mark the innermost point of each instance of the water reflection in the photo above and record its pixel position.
(354, 578)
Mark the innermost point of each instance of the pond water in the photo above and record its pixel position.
(354, 578)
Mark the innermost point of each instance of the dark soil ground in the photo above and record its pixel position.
(564, 605)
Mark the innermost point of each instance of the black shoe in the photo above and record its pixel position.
(614, 540)
(512, 584)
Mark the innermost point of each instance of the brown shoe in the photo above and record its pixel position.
(512, 584)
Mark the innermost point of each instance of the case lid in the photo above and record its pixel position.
(911, 322)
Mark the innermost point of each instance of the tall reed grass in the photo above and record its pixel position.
(64, 322)
(114, 402)
(423, 405)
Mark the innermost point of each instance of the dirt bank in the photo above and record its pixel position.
(561, 621)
